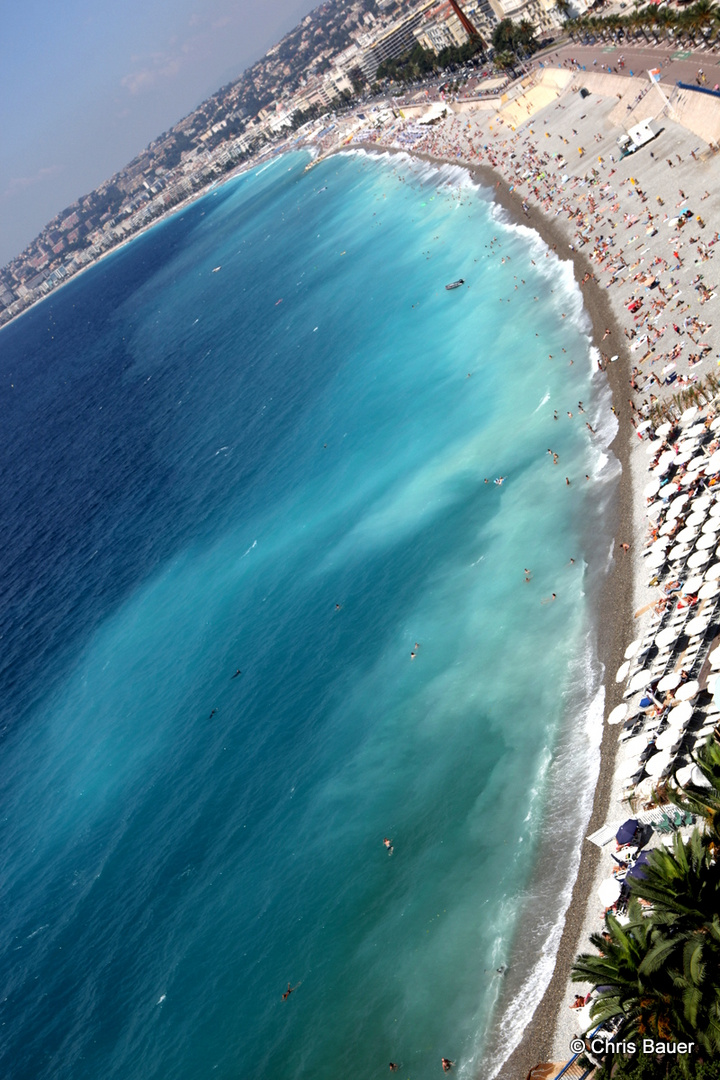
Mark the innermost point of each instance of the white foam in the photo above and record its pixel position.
(544, 401)
(566, 820)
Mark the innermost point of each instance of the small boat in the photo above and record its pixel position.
(455, 284)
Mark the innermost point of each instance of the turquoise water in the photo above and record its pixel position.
(280, 467)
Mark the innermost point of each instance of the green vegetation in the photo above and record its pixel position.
(642, 1067)
(516, 39)
(693, 27)
(660, 971)
(419, 62)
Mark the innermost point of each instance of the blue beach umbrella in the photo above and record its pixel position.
(626, 831)
(638, 868)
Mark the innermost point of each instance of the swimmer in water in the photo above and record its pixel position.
(212, 714)
(289, 991)
(447, 1064)
(393, 1067)
(238, 672)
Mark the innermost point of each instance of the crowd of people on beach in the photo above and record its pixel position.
(638, 224)
(661, 280)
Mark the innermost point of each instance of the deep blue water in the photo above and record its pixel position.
(280, 467)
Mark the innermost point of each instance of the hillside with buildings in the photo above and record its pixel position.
(333, 54)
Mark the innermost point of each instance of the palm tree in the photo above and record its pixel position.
(704, 801)
(682, 884)
(504, 60)
(643, 1001)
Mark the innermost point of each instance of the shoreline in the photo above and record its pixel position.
(614, 616)
(585, 204)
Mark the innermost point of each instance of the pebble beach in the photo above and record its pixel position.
(641, 232)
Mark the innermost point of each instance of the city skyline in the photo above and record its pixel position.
(84, 92)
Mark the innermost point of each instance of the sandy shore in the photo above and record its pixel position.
(610, 218)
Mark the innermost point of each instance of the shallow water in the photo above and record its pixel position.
(280, 467)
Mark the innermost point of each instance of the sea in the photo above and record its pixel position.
(301, 701)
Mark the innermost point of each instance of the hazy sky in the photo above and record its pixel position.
(85, 85)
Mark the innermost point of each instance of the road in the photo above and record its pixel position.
(675, 65)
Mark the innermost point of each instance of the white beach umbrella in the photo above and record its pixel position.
(632, 649)
(714, 659)
(669, 681)
(690, 774)
(688, 479)
(618, 714)
(679, 551)
(695, 519)
(640, 680)
(712, 525)
(678, 503)
(582, 1020)
(689, 414)
(664, 429)
(633, 748)
(622, 671)
(608, 891)
(713, 573)
(715, 424)
(668, 457)
(696, 626)
(661, 544)
(708, 590)
(655, 559)
(669, 738)
(651, 449)
(698, 559)
(706, 541)
(699, 779)
(713, 464)
(667, 527)
(711, 683)
(686, 535)
(692, 585)
(652, 488)
(666, 636)
(697, 463)
(715, 510)
(702, 502)
(688, 691)
(644, 789)
(644, 426)
(661, 468)
(681, 715)
(626, 769)
(658, 763)
(683, 457)
(696, 431)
